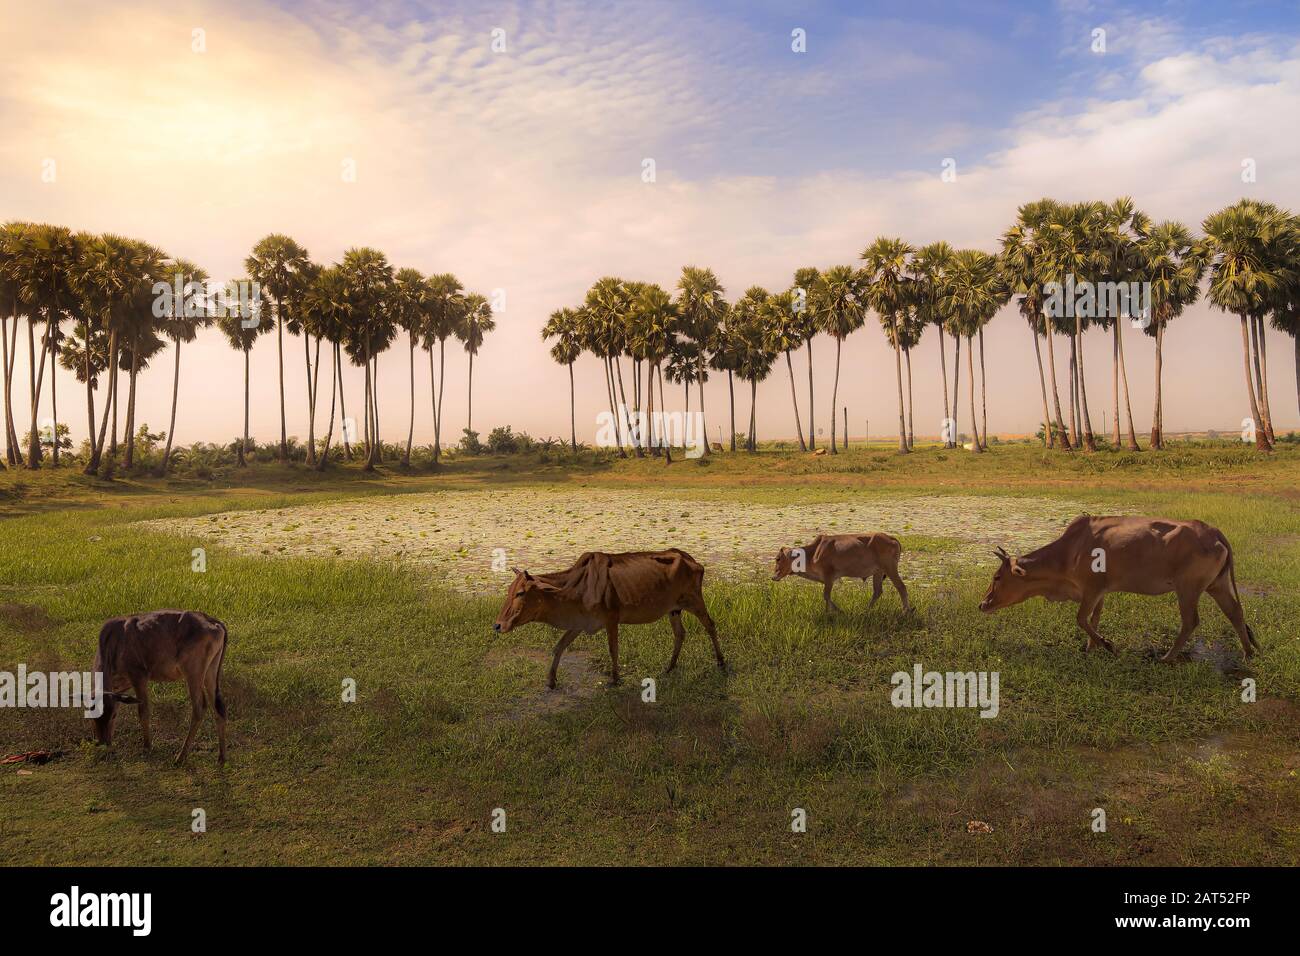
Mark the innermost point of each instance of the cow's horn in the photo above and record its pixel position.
(1001, 552)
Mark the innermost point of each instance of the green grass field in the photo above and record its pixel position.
(452, 721)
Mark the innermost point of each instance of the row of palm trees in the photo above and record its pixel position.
(96, 306)
(1246, 262)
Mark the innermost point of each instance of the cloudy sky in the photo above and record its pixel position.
(202, 126)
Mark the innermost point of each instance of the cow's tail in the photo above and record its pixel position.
(219, 702)
(1232, 577)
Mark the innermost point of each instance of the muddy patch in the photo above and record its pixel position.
(26, 618)
(469, 540)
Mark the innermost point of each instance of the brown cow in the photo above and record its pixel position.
(834, 556)
(607, 590)
(162, 646)
(1130, 554)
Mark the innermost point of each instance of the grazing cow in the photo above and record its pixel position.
(1130, 554)
(162, 646)
(834, 556)
(607, 590)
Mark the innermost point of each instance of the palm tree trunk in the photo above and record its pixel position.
(956, 388)
(612, 397)
(1114, 368)
(442, 380)
(1089, 442)
(130, 403)
(1056, 394)
(13, 450)
(469, 412)
(313, 380)
(51, 332)
(970, 375)
(1049, 439)
(171, 424)
(1295, 340)
(377, 443)
(753, 415)
(1261, 438)
(911, 424)
(943, 368)
(243, 445)
(410, 429)
(279, 348)
(4, 345)
(1261, 371)
(984, 394)
(700, 374)
(97, 449)
(112, 438)
(898, 380)
(663, 432)
(34, 388)
(573, 414)
(343, 403)
(1157, 429)
(835, 396)
(794, 398)
(731, 387)
(812, 432)
(1128, 404)
(1074, 393)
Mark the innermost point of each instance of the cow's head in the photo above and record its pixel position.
(524, 602)
(1011, 584)
(784, 564)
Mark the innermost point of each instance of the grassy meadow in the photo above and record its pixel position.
(452, 721)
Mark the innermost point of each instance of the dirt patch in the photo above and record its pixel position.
(577, 679)
(26, 618)
(470, 539)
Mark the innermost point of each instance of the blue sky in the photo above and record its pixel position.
(521, 170)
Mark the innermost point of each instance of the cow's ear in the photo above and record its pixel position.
(1017, 569)
(527, 576)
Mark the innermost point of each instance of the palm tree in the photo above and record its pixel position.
(605, 335)
(839, 310)
(1073, 250)
(11, 239)
(445, 303)
(1121, 225)
(1024, 268)
(1286, 303)
(928, 266)
(181, 320)
(368, 281)
(477, 324)
(806, 282)
(241, 330)
(973, 291)
(886, 285)
(754, 358)
(1239, 251)
(785, 329)
(43, 261)
(702, 307)
(726, 347)
(326, 314)
(140, 341)
(282, 268)
(1164, 253)
(563, 326)
(656, 319)
(409, 301)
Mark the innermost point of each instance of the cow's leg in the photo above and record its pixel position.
(1089, 610)
(877, 587)
(826, 595)
(197, 701)
(698, 608)
(210, 689)
(612, 630)
(902, 588)
(565, 640)
(1221, 591)
(141, 689)
(1187, 606)
(679, 635)
(1096, 612)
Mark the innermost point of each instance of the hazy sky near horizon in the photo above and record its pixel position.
(521, 170)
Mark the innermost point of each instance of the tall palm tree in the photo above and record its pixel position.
(973, 291)
(1166, 262)
(44, 260)
(726, 348)
(563, 326)
(806, 284)
(1286, 303)
(326, 315)
(141, 340)
(1121, 225)
(1024, 268)
(755, 359)
(928, 266)
(839, 311)
(445, 303)
(785, 329)
(656, 321)
(180, 322)
(281, 267)
(605, 311)
(241, 329)
(11, 307)
(702, 307)
(409, 300)
(477, 324)
(368, 280)
(1239, 250)
(886, 270)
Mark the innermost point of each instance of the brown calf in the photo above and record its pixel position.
(608, 590)
(162, 646)
(834, 556)
(1130, 554)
